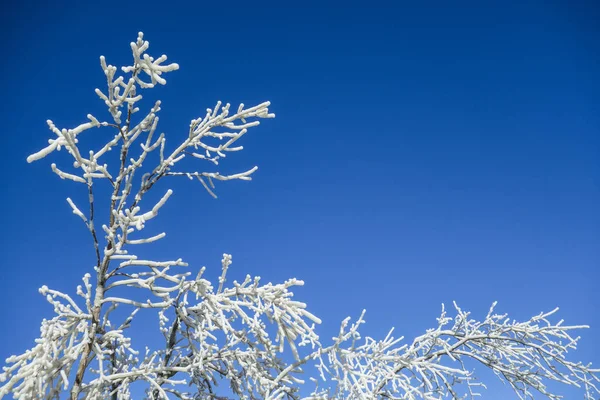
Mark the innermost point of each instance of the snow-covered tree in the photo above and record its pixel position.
(246, 339)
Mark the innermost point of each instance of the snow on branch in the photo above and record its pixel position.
(43, 371)
(526, 355)
(252, 338)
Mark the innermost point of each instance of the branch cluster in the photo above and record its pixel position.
(253, 336)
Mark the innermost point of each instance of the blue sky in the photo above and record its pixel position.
(421, 153)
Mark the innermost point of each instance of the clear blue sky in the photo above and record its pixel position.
(421, 153)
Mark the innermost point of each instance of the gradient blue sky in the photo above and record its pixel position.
(421, 153)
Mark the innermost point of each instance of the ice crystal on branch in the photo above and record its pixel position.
(253, 337)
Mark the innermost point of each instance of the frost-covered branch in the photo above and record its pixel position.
(245, 339)
(526, 355)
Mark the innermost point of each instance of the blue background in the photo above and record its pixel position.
(421, 154)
